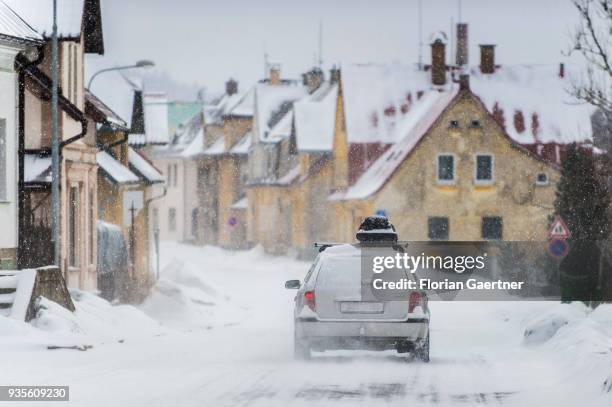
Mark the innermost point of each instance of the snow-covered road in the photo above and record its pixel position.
(236, 350)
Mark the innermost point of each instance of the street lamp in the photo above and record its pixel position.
(144, 63)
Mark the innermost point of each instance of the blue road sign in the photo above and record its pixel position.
(558, 248)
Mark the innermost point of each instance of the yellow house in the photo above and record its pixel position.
(461, 170)
(125, 181)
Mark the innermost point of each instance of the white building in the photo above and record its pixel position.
(15, 36)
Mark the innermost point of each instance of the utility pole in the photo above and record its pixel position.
(132, 240)
(55, 164)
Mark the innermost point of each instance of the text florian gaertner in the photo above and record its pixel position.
(457, 264)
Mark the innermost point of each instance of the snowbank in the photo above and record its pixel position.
(183, 299)
(580, 336)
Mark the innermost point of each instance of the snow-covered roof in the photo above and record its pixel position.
(241, 104)
(282, 129)
(143, 167)
(315, 118)
(102, 112)
(118, 172)
(37, 169)
(375, 95)
(39, 15)
(242, 146)
(188, 140)
(156, 118)
(535, 92)
(217, 148)
(291, 176)
(419, 119)
(13, 25)
(273, 102)
(240, 204)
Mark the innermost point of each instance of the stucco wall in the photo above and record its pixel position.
(413, 193)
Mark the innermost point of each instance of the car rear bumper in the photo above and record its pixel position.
(410, 330)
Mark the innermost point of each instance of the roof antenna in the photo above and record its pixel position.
(459, 11)
(320, 44)
(420, 25)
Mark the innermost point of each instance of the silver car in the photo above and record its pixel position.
(330, 314)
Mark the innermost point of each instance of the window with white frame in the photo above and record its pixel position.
(484, 168)
(446, 169)
(3, 156)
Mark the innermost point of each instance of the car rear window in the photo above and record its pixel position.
(340, 272)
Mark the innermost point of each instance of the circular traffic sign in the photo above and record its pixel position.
(558, 248)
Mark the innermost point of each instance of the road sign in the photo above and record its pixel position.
(558, 248)
(232, 221)
(558, 229)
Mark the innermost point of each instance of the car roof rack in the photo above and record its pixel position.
(324, 245)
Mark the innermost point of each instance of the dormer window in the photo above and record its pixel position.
(454, 124)
(475, 124)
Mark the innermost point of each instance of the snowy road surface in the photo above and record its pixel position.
(236, 350)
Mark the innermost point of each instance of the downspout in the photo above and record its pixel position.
(21, 151)
(146, 208)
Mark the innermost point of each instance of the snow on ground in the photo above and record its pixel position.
(217, 330)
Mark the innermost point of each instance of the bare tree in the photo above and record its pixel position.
(592, 38)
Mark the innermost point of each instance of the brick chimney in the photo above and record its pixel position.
(138, 120)
(275, 74)
(313, 79)
(231, 87)
(462, 44)
(438, 62)
(487, 58)
(561, 70)
(464, 82)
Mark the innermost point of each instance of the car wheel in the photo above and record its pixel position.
(422, 350)
(301, 349)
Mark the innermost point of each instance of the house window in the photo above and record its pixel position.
(437, 228)
(75, 76)
(73, 227)
(169, 176)
(484, 168)
(454, 124)
(172, 220)
(492, 228)
(446, 168)
(542, 179)
(175, 174)
(475, 124)
(3, 141)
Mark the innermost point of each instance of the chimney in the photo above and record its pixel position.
(138, 123)
(462, 44)
(231, 87)
(275, 74)
(487, 58)
(561, 70)
(334, 75)
(313, 79)
(438, 62)
(464, 82)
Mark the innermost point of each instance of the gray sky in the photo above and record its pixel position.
(204, 42)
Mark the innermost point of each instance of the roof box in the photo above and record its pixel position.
(376, 229)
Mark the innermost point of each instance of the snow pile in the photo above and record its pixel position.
(582, 337)
(544, 326)
(182, 299)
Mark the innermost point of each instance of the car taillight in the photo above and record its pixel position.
(416, 299)
(309, 299)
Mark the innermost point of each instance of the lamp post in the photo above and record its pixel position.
(55, 164)
(145, 63)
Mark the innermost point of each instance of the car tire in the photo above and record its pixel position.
(422, 350)
(301, 349)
